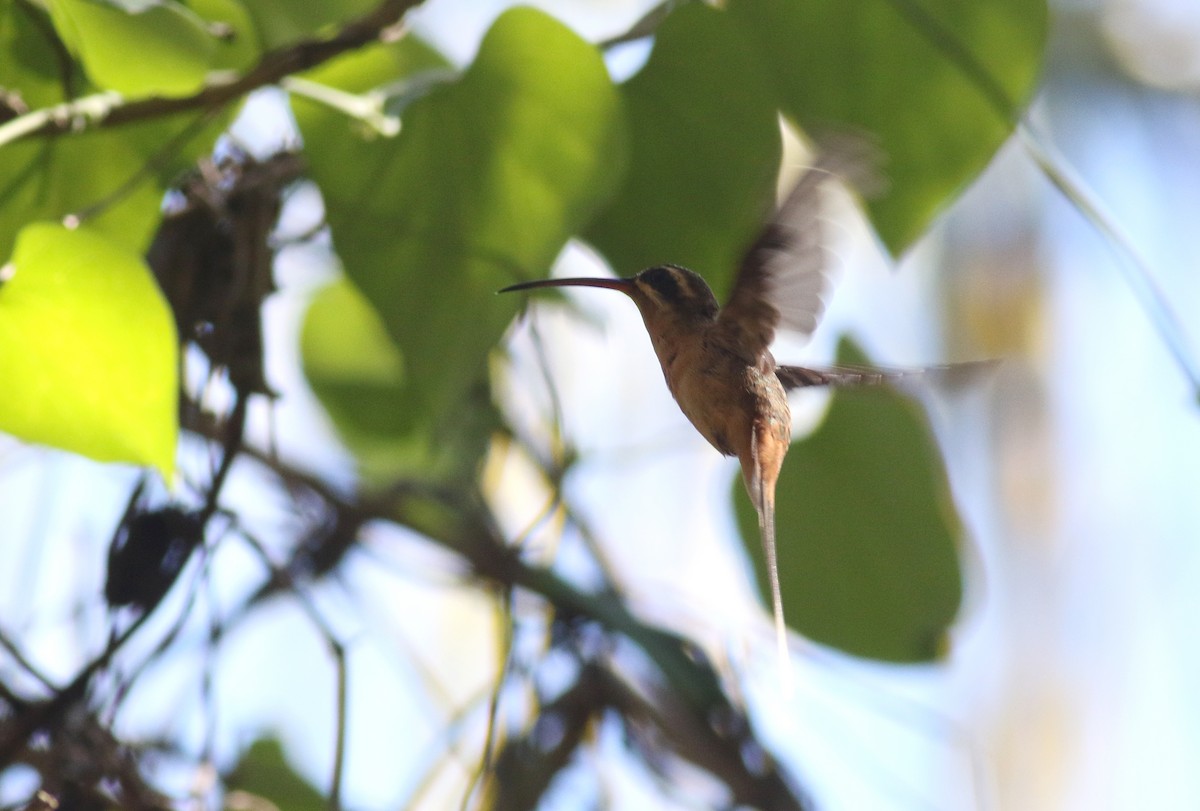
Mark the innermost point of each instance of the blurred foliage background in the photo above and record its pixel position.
(298, 512)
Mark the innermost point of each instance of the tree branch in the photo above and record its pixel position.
(687, 698)
(274, 66)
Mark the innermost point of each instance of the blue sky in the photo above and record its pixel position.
(1071, 683)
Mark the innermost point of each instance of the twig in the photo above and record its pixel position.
(111, 110)
(24, 662)
(39, 716)
(1133, 265)
(337, 650)
(155, 163)
(366, 107)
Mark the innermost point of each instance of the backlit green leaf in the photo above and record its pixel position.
(281, 22)
(939, 83)
(29, 65)
(374, 67)
(487, 180)
(358, 373)
(264, 773)
(163, 50)
(705, 148)
(47, 180)
(88, 352)
(237, 48)
(867, 532)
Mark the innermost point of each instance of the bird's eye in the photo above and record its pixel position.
(664, 281)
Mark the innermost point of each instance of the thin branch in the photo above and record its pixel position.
(111, 110)
(337, 650)
(366, 107)
(487, 762)
(484, 547)
(48, 712)
(1133, 265)
(20, 658)
(691, 682)
(154, 164)
(646, 26)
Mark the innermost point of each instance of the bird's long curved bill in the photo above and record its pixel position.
(624, 285)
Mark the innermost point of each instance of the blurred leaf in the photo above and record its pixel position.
(91, 172)
(87, 349)
(940, 83)
(487, 180)
(281, 22)
(705, 152)
(264, 772)
(376, 66)
(237, 48)
(162, 50)
(867, 530)
(358, 373)
(44, 180)
(51, 178)
(29, 66)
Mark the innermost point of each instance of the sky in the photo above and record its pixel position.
(1070, 683)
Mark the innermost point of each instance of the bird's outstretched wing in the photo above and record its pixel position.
(783, 277)
(946, 376)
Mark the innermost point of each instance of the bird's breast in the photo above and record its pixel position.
(722, 394)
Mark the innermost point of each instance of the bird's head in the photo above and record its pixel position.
(665, 294)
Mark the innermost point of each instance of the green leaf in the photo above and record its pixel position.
(88, 349)
(487, 180)
(237, 48)
(163, 50)
(29, 66)
(116, 177)
(940, 83)
(376, 66)
(867, 531)
(705, 152)
(264, 772)
(88, 352)
(47, 180)
(357, 372)
(281, 22)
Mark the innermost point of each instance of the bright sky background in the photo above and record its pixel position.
(1077, 469)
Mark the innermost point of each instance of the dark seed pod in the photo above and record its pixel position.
(147, 555)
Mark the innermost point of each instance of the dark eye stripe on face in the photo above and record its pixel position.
(665, 282)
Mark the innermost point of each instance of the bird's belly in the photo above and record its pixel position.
(719, 405)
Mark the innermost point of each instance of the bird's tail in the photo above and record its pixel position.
(763, 495)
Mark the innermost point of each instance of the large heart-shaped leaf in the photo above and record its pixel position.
(704, 156)
(487, 180)
(867, 531)
(88, 352)
(939, 83)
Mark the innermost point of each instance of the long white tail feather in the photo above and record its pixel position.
(766, 527)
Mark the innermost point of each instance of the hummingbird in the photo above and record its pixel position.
(717, 359)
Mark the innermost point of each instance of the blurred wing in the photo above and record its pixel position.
(950, 375)
(784, 275)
